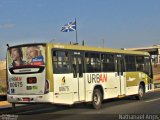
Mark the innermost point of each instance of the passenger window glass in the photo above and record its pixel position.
(61, 62)
(74, 67)
(93, 63)
(130, 63)
(148, 68)
(108, 63)
(140, 63)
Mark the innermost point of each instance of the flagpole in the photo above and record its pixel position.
(76, 31)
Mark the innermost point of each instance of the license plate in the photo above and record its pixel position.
(26, 99)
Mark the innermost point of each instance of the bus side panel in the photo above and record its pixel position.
(64, 88)
(108, 81)
(93, 79)
(112, 87)
(133, 80)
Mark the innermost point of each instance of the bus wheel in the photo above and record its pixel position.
(140, 93)
(97, 99)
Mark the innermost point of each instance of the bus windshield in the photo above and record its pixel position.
(20, 57)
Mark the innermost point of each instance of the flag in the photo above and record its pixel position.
(71, 26)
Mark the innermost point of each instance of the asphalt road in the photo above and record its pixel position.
(112, 109)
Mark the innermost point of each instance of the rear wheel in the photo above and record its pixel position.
(141, 92)
(97, 99)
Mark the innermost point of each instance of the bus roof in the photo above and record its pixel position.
(94, 49)
(84, 48)
(28, 44)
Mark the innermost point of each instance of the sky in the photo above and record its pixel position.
(119, 23)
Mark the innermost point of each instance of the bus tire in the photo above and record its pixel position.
(141, 93)
(97, 99)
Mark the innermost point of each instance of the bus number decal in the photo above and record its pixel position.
(96, 78)
(64, 88)
(16, 84)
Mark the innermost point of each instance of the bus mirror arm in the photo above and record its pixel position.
(7, 45)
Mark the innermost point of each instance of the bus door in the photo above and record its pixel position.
(78, 80)
(121, 74)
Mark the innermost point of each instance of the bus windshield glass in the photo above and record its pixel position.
(24, 56)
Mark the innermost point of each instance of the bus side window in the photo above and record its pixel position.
(130, 63)
(55, 62)
(74, 67)
(89, 67)
(61, 62)
(140, 63)
(80, 66)
(148, 69)
(93, 63)
(108, 62)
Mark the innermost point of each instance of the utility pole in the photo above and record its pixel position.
(103, 42)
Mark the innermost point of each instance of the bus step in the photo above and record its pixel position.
(121, 96)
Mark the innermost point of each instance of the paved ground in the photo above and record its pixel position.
(112, 109)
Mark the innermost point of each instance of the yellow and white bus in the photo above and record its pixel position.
(68, 74)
